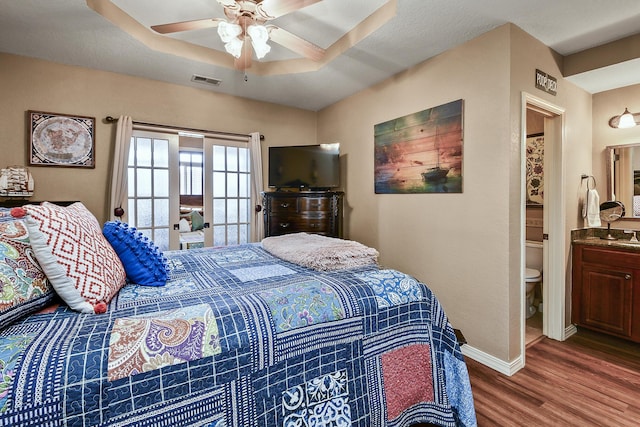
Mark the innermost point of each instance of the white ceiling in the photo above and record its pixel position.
(70, 32)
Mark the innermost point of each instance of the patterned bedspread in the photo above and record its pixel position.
(241, 338)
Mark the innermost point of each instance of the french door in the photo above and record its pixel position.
(227, 192)
(153, 187)
(154, 183)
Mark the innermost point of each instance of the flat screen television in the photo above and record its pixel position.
(306, 167)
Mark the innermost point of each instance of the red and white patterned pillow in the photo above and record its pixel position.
(77, 259)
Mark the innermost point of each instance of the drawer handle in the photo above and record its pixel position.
(284, 205)
(627, 276)
(284, 225)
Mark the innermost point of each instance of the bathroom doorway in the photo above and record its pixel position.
(553, 289)
(534, 223)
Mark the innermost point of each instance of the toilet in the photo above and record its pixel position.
(533, 274)
(532, 277)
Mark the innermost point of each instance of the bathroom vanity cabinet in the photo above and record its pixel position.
(606, 289)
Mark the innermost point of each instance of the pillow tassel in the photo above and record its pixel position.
(100, 307)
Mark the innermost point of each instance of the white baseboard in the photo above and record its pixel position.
(570, 330)
(499, 365)
(506, 368)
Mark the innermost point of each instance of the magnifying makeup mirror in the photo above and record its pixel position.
(609, 212)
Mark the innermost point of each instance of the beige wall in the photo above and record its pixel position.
(467, 247)
(456, 243)
(29, 84)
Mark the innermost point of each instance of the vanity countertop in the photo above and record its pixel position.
(595, 237)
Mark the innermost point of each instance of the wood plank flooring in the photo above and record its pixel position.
(588, 380)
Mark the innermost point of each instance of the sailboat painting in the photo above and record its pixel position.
(420, 152)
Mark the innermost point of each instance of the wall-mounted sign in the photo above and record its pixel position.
(546, 82)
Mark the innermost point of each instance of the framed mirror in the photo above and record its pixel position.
(623, 177)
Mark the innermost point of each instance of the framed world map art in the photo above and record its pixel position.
(61, 140)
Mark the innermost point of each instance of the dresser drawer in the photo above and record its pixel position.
(314, 226)
(283, 223)
(314, 223)
(284, 204)
(315, 204)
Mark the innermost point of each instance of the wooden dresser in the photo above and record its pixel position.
(606, 289)
(306, 211)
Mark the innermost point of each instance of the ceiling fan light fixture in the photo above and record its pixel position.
(259, 37)
(228, 31)
(258, 33)
(260, 49)
(626, 120)
(234, 47)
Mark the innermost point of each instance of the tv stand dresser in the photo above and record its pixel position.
(317, 212)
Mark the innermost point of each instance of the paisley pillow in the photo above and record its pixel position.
(142, 260)
(24, 288)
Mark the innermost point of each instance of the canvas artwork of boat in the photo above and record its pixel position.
(420, 152)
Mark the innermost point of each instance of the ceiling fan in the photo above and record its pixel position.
(246, 19)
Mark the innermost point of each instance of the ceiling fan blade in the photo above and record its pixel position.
(176, 27)
(295, 43)
(275, 8)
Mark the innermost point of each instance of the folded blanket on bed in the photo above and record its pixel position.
(320, 252)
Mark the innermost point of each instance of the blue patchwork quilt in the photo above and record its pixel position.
(238, 337)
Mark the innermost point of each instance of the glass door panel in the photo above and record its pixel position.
(152, 198)
(227, 177)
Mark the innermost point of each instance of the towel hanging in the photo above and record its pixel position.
(591, 205)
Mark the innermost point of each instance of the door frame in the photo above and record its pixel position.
(554, 249)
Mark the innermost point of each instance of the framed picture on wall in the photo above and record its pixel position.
(420, 152)
(61, 140)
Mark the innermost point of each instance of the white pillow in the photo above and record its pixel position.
(74, 254)
(184, 226)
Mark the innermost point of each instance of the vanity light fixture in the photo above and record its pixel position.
(624, 121)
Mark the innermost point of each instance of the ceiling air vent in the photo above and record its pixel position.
(206, 80)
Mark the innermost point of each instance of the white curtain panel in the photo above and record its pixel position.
(257, 222)
(120, 162)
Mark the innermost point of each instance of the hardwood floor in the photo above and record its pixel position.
(588, 380)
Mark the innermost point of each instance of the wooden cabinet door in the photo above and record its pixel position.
(607, 299)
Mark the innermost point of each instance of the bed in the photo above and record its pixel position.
(235, 336)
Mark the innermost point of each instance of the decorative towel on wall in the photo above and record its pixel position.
(592, 211)
(535, 161)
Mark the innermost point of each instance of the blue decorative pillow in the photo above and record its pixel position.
(143, 262)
